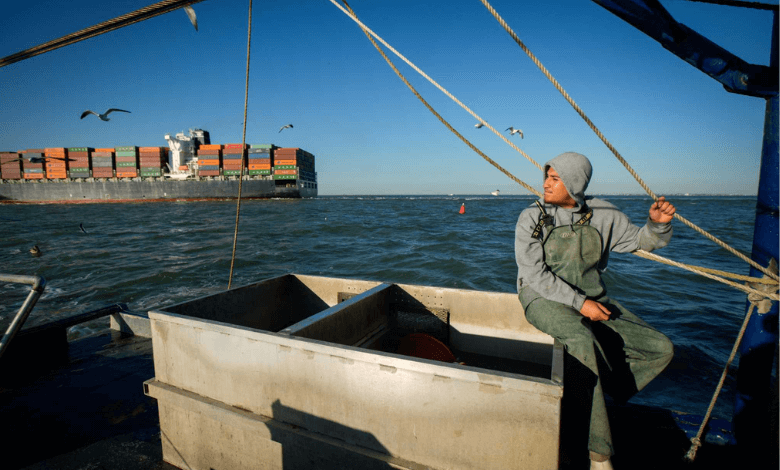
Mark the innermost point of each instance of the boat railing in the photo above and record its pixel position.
(38, 284)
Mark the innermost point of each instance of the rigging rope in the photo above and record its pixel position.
(367, 30)
(243, 146)
(696, 441)
(430, 108)
(706, 272)
(119, 22)
(614, 151)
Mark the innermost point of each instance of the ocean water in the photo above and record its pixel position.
(155, 254)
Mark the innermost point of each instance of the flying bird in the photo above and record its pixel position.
(514, 131)
(285, 127)
(191, 13)
(81, 226)
(478, 125)
(103, 116)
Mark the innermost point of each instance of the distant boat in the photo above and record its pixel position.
(495, 193)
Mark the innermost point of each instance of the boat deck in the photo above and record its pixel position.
(81, 405)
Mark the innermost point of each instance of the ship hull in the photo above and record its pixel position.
(149, 189)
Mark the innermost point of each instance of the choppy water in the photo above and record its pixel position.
(154, 254)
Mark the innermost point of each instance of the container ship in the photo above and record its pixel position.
(190, 168)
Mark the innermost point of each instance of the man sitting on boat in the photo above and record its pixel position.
(562, 245)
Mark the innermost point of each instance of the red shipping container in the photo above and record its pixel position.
(209, 151)
(236, 146)
(34, 151)
(208, 172)
(126, 159)
(78, 154)
(102, 154)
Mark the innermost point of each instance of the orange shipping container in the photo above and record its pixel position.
(235, 146)
(126, 174)
(33, 176)
(54, 150)
(284, 162)
(55, 164)
(208, 162)
(105, 150)
(286, 172)
(210, 147)
(263, 166)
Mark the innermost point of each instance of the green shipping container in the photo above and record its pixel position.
(232, 172)
(151, 173)
(125, 164)
(262, 146)
(79, 149)
(259, 172)
(285, 177)
(130, 148)
(125, 153)
(284, 167)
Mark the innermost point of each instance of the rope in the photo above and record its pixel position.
(243, 146)
(696, 441)
(613, 149)
(119, 22)
(430, 108)
(704, 272)
(367, 30)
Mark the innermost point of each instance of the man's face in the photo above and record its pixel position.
(555, 191)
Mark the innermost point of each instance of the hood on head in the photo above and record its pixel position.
(575, 171)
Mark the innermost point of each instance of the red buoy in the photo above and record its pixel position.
(462, 208)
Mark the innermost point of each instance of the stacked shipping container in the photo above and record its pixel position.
(131, 162)
(293, 163)
(126, 162)
(259, 159)
(10, 166)
(103, 163)
(151, 160)
(56, 167)
(79, 162)
(233, 159)
(209, 159)
(32, 171)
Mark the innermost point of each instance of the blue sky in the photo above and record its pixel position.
(312, 66)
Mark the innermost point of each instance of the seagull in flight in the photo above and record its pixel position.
(478, 125)
(191, 13)
(514, 131)
(103, 116)
(40, 159)
(285, 127)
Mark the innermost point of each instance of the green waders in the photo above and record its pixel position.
(621, 355)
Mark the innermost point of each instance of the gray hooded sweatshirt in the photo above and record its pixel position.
(617, 232)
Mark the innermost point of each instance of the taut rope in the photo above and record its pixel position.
(119, 22)
(367, 30)
(706, 272)
(601, 136)
(243, 145)
(430, 108)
